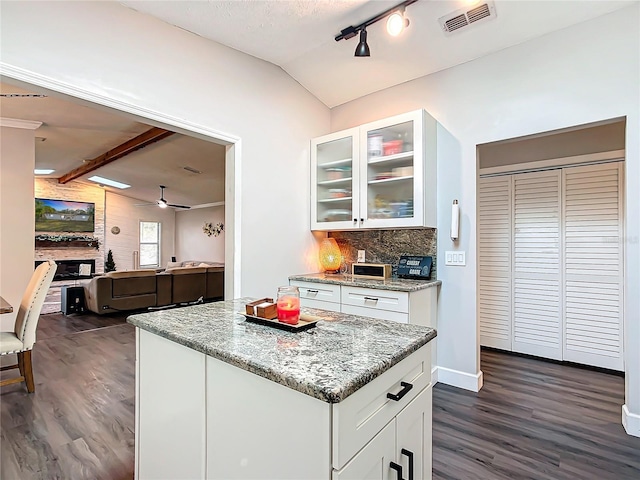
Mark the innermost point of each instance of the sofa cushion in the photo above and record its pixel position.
(127, 287)
(186, 270)
(132, 273)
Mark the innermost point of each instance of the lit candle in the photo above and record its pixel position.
(289, 309)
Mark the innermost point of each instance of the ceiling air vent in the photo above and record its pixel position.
(465, 17)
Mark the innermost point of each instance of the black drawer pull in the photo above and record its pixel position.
(373, 299)
(311, 291)
(405, 389)
(398, 469)
(409, 455)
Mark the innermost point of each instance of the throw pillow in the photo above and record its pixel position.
(173, 265)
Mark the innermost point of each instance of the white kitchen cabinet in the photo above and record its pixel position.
(410, 432)
(378, 175)
(373, 462)
(417, 307)
(225, 422)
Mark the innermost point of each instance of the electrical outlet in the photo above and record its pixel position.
(361, 256)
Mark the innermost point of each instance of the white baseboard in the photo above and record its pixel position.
(434, 375)
(459, 379)
(630, 422)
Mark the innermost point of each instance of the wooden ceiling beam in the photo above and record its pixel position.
(147, 138)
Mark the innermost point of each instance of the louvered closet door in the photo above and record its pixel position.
(537, 309)
(494, 269)
(593, 262)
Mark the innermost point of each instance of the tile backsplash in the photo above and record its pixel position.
(386, 246)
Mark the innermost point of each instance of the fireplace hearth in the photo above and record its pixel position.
(70, 269)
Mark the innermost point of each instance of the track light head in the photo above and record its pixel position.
(362, 50)
(397, 22)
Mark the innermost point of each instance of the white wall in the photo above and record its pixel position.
(191, 242)
(17, 220)
(109, 50)
(122, 212)
(582, 74)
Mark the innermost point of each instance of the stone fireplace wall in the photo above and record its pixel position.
(74, 191)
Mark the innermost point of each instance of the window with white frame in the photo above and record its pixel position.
(149, 244)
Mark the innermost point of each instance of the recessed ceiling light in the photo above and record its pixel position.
(43, 171)
(107, 181)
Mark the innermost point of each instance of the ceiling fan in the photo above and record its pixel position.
(162, 203)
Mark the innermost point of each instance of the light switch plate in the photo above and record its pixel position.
(361, 256)
(455, 258)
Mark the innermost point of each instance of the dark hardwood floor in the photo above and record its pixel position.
(532, 419)
(79, 423)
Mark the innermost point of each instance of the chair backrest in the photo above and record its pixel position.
(31, 304)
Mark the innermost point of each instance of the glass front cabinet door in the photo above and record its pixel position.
(388, 178)
(334, 181)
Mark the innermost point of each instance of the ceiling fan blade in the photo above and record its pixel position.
(177, 206)
(144, 204)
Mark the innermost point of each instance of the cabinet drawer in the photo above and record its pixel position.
(378, 299)
(359, 417)
(331, 307)
(375, 313)
(318, 291)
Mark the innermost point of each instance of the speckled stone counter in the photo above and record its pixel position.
(329, 362)
(396, 284)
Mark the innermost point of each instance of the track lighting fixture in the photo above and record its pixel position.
(396, 23)
(362, 50)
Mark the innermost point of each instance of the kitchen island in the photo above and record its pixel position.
(220, 398)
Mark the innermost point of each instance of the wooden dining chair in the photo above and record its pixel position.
(22, 339)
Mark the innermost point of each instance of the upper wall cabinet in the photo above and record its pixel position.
(378, 175)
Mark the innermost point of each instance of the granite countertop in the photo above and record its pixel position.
(329, 362)
(393, 283)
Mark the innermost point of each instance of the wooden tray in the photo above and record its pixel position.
(300, 327)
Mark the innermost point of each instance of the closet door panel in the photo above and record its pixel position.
(593, 265)
(537, 275)
(494, 269)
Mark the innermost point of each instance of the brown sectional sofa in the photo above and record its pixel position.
(139, 289)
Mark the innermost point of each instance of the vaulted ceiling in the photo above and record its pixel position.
(297, 35)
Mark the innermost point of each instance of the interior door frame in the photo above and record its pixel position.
(233, 156)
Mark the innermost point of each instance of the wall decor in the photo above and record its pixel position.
(115, 230)
(210, 229)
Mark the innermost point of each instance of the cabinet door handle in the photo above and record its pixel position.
(362, 220)
(398, 469)
(405, 389)
(409, 455)
(311, 291)
(355, 220)
(373, 299)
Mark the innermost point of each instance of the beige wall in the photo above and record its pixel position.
(191, 241)
(122, 212)
(212, 86)
(552, 145)
(17, 206)
(587, 73)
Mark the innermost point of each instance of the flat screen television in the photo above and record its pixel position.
(64, 216)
